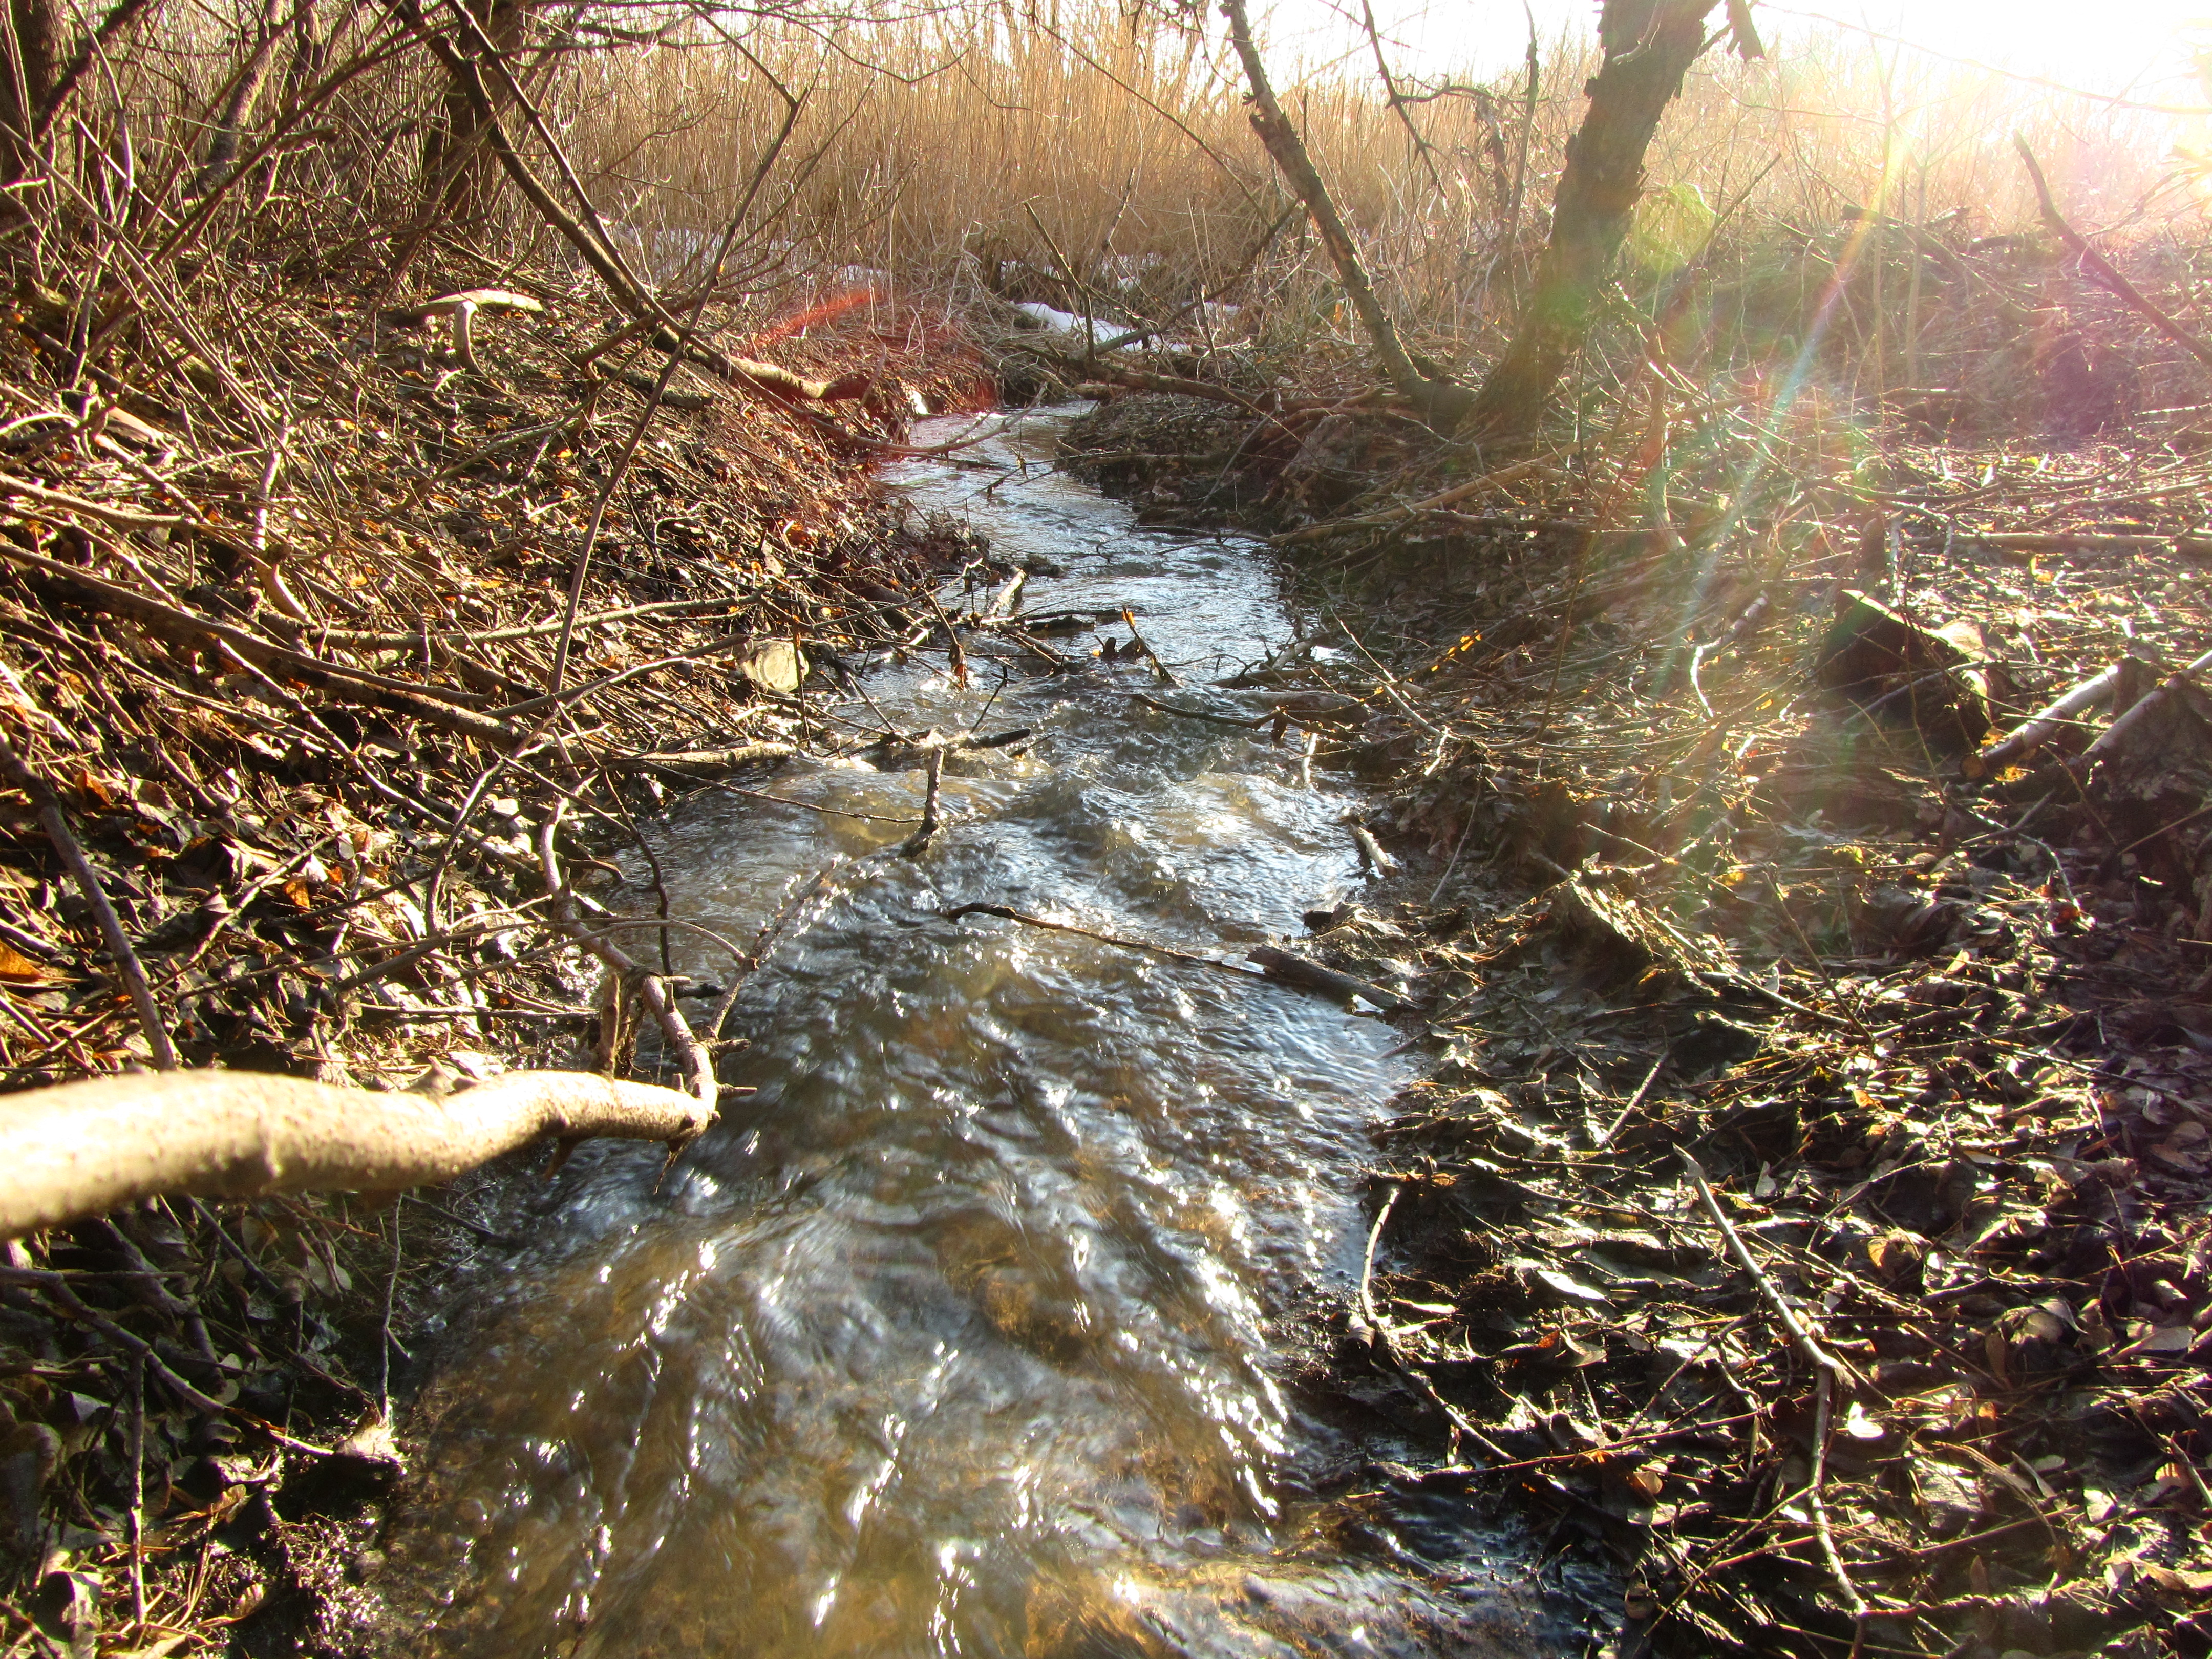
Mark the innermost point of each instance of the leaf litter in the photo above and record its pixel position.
(1705, 872)
(276, 636)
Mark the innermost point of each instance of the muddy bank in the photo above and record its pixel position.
(1717, 855)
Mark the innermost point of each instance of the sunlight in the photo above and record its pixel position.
(2141, 49)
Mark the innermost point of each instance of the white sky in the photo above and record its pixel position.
(2137, 47)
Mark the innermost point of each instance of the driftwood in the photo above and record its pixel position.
(82, 1149)
(1312, 976)
(459, 310)
(897, 754)
(2032, 734)
(913, 846)
(1239, 723)
(761, 377)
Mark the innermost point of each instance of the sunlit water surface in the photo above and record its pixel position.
(955, 1339)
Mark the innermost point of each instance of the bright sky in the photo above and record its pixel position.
(2137, 47)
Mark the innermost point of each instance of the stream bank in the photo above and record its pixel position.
(278, 616)
(1800, 1213)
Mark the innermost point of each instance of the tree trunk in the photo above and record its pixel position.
(460, 171)
(238, 108)
(36, 29)
(1437, 400)
(47, 56)
(1650, 46)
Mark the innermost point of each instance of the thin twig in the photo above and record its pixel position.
(49, 808)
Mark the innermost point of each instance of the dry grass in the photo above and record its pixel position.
(950, 150)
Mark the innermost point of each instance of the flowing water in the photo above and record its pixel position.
(956, 1337)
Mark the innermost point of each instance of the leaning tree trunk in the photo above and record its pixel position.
(237, 108)
(1650, 46)
(1436, 399)
(33, 69)
(460, 171)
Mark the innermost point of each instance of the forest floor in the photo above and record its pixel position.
(1803, 1214)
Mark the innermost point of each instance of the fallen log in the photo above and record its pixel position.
(459, 310)
(2039, 728)
(768, 378)
(1312, 976)
(2109, 739)
(83, 1149)
(692, 762)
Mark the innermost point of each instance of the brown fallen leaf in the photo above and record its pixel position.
(16, 968)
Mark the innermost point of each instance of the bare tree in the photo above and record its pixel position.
(44, 64)
(1649, 47)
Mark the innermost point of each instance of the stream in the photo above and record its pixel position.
(971, 1332)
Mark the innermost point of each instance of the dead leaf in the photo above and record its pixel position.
(17, 968)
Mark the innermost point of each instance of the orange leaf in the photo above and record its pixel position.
(17, 968)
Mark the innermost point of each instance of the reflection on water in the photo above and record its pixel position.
(954, 1338)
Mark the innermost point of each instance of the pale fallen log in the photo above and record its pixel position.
(691, 762)
(2032, 734)
(459, 310)
(2109, 738)
(83, 1149)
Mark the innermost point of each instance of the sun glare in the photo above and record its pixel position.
(2141, 49)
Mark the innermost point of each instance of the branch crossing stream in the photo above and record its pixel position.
(964, 1335)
